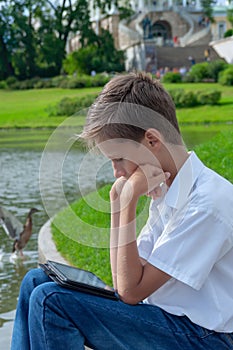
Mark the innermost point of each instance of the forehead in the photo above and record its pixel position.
(128, 149)
(118, 148)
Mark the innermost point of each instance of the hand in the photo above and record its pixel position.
(146, 179)
(117, 188)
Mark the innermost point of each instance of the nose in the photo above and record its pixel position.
(118, 170)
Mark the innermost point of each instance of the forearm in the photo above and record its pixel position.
(129, 266)
(114, 232)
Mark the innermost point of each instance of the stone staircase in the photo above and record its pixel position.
(176, 57)
(194, 40)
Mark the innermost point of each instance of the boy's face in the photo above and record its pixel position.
(127, 155)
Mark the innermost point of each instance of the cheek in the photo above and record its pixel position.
(130, 168)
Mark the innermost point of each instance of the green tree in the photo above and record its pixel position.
(230, 16)
(6, 67)
(34, 34)
(99, 55)
(24, 35)
(207, 6)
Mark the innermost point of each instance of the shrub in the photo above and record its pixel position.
(100, 80)
(78, 82)
(176, 95)
(172, 77)
(188, 99)
(3, 84)
(69, 106)
(184, 98)
(228, 33)
(199, 72)
(215, 67)
(66, 106)
(226, 76)
(57, 81)
(209, 97)
(187, 78)
(11, 81)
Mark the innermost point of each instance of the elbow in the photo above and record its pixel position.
(129, 298)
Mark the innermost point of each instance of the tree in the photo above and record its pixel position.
(230, 16)
(6, 67)
(23, 15)
(34, 34)
(99, 55)
(207, 6)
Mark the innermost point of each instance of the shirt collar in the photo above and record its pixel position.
(184, 181)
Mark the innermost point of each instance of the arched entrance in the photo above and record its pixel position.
(162, 32)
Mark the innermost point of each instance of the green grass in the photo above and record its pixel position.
(206, 114)
(216, 153)
(77, 239)
(29, 108)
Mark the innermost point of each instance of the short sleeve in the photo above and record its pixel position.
(190, 245)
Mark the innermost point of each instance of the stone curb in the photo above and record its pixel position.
(46, 246)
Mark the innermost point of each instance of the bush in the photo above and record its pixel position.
(78, 82)
(69, 106)
(58, 81)
(172, 77)
(11, 81)
(176, 95)
(184, 98)
(209, 98)
(215, 67)
(228, 33)
(226, 76)
(188, 78)
(3, 85)
(188, 99)
(199, 72)
(100, 80)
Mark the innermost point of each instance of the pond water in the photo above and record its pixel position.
(20, 190)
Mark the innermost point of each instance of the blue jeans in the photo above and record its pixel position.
(51, 317)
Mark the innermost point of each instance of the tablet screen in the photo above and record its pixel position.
(78, 275)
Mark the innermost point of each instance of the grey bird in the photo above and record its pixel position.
(16, 230)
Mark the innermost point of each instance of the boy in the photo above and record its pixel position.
(181, 264)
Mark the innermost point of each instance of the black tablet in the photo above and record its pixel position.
(79, 279)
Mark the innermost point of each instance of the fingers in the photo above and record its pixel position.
(160, 190)
(117, 188)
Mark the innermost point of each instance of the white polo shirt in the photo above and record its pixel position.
(189, 235)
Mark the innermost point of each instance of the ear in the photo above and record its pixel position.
(153, 138)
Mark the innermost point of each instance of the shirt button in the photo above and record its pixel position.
(166, 216)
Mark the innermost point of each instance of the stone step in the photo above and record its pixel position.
(176, 57)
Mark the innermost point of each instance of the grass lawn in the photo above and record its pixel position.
(29, 108)
(81, 244)
(206, 114)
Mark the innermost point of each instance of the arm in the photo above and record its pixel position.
(135, 278)
(115, 219)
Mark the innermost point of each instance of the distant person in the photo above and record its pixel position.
(207, 55)
(192, 60)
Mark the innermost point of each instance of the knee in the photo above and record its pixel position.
(45, 295)
(33, 278)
